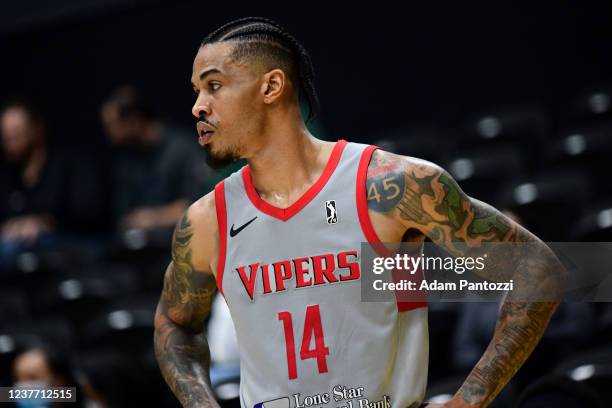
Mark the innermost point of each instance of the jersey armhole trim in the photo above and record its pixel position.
(366, 223)
(362, 203)
(222, 227)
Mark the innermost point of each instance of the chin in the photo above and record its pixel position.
(218, 159)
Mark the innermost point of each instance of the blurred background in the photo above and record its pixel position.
(100, 158)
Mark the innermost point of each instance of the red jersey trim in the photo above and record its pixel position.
(222, 225)
(285, 214)
(366, 223)
(362, 203)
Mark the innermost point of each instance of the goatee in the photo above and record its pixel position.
(218, 161)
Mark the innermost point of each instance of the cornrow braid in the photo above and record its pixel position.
(267, 32)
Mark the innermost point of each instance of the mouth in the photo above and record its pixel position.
(205, 132)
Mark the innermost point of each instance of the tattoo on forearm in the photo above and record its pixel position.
(184, 361)
(519, 331)
(180, 344)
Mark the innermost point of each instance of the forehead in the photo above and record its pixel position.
(31, 360)
(14, 115)
(216, 55)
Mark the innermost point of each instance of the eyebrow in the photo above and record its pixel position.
(206, 73)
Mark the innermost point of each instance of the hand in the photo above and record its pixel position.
(445, 405)
(455, 402)
(144, 218)
(26, 228)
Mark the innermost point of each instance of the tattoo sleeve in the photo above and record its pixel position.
(180, 343)
(425, 198)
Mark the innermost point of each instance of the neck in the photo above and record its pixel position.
(287, 162)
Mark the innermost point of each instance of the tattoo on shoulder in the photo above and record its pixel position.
(426, 198)
(385, 184)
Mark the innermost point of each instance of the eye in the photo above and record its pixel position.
(213, 86)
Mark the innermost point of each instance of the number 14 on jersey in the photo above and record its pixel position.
(312, 328)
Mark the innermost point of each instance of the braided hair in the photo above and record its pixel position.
(264, 38)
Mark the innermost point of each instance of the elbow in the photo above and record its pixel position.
(555, 277)
(562, 277)
(161, 321)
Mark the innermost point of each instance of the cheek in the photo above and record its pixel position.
(16, 144)
(238, 114)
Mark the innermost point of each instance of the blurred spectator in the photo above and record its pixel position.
(42, 366)
(112, 379)
(157, 171)
(43, 192)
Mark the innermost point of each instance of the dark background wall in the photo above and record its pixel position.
(380, 65)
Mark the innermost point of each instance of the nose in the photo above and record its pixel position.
(201, 107)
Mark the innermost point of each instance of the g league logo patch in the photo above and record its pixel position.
(332, 214)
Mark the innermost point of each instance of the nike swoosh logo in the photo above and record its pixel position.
(234, 232)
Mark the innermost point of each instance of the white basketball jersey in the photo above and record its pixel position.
(291, 278)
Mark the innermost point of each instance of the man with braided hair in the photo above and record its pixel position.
(280, 239)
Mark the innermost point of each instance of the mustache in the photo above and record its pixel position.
(202, 118)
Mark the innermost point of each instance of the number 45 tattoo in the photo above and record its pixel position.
(385, 191)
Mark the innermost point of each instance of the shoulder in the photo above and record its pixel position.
(385, 164)
(203, 211)
(407, 188)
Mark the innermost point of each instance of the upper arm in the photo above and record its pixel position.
(189, 282)
(430, 201)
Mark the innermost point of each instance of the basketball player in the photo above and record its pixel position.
(280, 239)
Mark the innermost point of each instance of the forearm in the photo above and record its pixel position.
(184, 360)
(539, 283)
(170, 213)
(515, 338)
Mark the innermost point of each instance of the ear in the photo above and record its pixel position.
(273, 85)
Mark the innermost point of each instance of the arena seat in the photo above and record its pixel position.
(426, 144)
(15, 337)
(592, 368)
(13, 306)
(119, 378)
(127, 329)
(595, 224)
(481, 172)
(76, 298)
(586, 148)
(442, 390)
(544, 199)
(590, 105)
(558, 391)
(525, 127)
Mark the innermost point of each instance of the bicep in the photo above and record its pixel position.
(463, 226)
(439, 208)
(422, 196)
